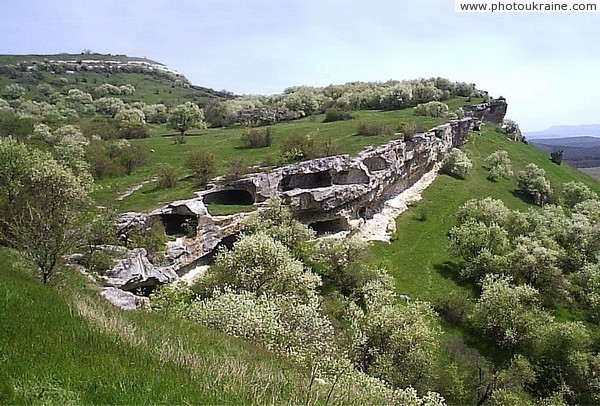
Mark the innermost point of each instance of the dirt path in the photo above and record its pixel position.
(383, 224)
(135, 188)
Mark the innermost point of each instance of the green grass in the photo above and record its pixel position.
(63, 344)
(225, 144)
(418, 257)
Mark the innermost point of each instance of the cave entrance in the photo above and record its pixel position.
(179, 224)
(305, 181)
(329, 226)
(230, 197)
(375, 164)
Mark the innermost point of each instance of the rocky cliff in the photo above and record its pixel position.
(331, 195)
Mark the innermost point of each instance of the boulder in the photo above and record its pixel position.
(136, 271)
(124, 300)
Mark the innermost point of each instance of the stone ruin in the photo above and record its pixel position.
(331, 195)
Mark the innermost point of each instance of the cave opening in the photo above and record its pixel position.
(229, 197)
(332, 226)
(305, 181)
(209, 259)
(179, 224)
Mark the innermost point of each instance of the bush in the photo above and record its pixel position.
(533, 183)
(236, 169)
(499, 165)
(456, 163)
(577, 192)
(334, 114)
(167, 177)
(408, 130)
(133, 131)
(374, 129)
(432, 109)
(202, 164)
(255, 138)
(299, 147)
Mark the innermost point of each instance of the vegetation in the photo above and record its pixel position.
(513, 276)
(514, 289)
(456, 163)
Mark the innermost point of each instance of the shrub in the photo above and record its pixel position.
(577, 192)
(133, 131)
(299, 147)
(374, 129)
(255, 138)
(456, 163)
(236, 169)
(334, 114)
(533, 183)
(432, 109)
(167, 177)
(499, 165)
(408, 130)
(202, 164)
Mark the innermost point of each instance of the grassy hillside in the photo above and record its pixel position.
(418, 256)
(151, 87)
(65, 345)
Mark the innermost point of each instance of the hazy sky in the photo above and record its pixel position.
(544, 64)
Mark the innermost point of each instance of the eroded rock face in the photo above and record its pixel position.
(490, 112)
(136, 271)
(330, 194)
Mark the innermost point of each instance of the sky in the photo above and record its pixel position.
(545, 64)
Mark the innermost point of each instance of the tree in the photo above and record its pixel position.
(109, 106)
(499, 165)
(41, 201)
(184, 117)
(456, 163)
(202, 164)
(532, 182)
(398, 343)
(508, 314)
(261, 265)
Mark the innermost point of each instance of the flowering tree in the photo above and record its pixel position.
(532, 182)
(40, 201)
(184, 117)
(456, 163)
(499, 164)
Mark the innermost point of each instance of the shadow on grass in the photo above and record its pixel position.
(451, 270)
(519, 194)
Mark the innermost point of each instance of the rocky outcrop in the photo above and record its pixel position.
(493, 111)
(135, 271)
(124, 300)
(331, 195)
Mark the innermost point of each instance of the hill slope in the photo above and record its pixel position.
(418, 256)
(65, 345)
(153, 81)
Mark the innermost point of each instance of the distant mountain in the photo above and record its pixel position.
(562, 131)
